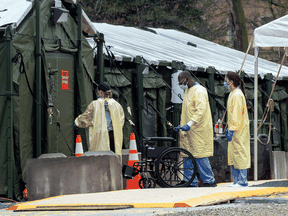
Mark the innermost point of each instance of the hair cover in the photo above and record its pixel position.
(104, 86)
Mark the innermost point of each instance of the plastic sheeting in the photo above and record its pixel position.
(169, 45)
(272, 34)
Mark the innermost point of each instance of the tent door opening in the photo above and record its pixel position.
(60, 123)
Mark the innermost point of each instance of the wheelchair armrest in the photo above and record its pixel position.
(150, 139)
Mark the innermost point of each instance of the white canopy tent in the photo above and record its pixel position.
(273, 34)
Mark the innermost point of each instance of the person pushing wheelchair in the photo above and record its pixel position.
(196, 134)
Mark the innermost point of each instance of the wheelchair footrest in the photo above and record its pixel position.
(129, 172)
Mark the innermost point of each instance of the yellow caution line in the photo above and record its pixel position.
(225, 196)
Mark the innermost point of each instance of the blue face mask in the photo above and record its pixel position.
(226, 85)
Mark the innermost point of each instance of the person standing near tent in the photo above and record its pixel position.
(105, 119)
(197, 130)
(237, 132)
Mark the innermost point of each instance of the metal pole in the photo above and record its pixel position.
(211, 79)
(38, 81)
(9, 114)
(140, 95)
(256, 50)
(79, 14)
(176, 106)
(100, 59)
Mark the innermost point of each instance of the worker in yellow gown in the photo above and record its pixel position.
(105, 119)
(237, 132)
(196, 134)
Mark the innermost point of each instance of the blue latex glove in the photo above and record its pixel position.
(226, 132)
(178, 128)
(230, 135)
(75, 127)
(186, 127)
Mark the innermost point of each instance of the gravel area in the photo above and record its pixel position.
(237, 209)
(275, 205)
(283, 183)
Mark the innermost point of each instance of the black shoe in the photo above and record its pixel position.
(209, 185)
(182, 183)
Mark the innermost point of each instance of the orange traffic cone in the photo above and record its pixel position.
(79, 147)
(25, 194)
(133, 157)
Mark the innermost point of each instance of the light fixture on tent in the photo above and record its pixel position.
(59, 14)
(145, 70)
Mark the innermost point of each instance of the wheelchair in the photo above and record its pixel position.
(163, 166)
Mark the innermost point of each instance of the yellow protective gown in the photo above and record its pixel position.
(238, 121)
(94, 118)
(199, 139)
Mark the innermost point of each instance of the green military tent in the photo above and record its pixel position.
(47, 79)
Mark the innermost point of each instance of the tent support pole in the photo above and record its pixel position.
(140, 96)
(176, 106)
(79, 29)
(100, 59)
(9, 113)
(211, 79)
(256, 50)
(38, 81)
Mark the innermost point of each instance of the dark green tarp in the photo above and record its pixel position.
(57, 39)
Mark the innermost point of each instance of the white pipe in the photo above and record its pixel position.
(256, 50)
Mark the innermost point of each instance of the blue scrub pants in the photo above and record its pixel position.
(239, 176)
(204, 169)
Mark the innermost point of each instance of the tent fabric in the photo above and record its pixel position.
(272, 34)
(64, 35)
(124, 85)
(171, 45)
(154, 91)
(14, 12)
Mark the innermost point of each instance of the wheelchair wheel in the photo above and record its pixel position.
(170, 169)
(147, 183)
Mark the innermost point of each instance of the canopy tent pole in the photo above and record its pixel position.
(256, 50)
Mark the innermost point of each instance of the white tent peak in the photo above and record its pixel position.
(272, 34)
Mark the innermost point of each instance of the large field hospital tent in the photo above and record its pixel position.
(274, 34)
(154, 57)
(46, 74)
(163, 53)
